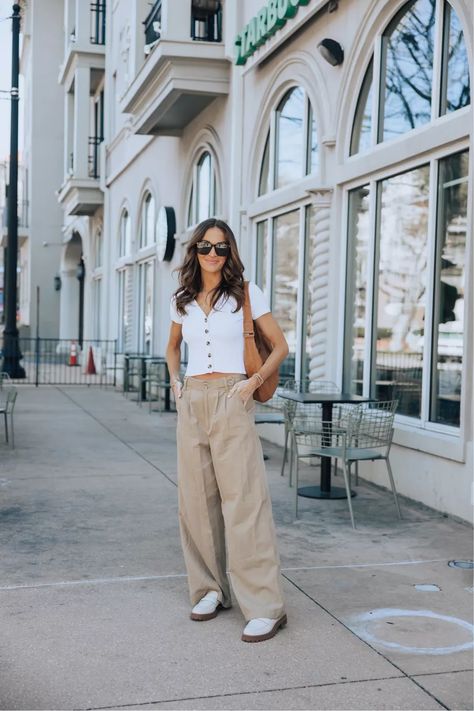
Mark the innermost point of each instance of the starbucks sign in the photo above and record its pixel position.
(261, 27)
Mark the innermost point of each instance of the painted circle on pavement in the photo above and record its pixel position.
(362, 623)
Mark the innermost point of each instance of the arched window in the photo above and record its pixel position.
(125, 235)
(289, 138)
(264, 181)
(455, 88)
(148, 222)
(405, 74)
(98, 249)
(362, 126)
(124, 284)
(203, 198)
(293, 135)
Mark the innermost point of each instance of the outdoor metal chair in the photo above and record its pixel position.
(7, 405)
(313, 411)
(158, 384)
(4, 379)
(273, 412)
(364, 435)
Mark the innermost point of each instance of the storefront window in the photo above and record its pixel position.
(264, 182)
(289, 138)
(148, 222)
(356, 293)
(407, 55)
(124, 277)
(203, 194)
(448, 320)
(98, 249)
(291, 148)
(405, 74)
(401, 294)
(204, 175)
(455, 87)
(395, 303)
(285, 282)
(362, 126)
(145, 320)
(125, 238)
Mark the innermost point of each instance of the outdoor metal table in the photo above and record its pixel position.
(327, 400)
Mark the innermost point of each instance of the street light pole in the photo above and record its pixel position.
(11, 348)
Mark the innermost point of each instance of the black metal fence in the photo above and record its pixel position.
(53, 361)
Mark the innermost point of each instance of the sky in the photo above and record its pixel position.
(5, 79)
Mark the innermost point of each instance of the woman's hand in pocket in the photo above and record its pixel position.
(177, 387)
(244, 389)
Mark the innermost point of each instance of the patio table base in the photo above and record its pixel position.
(315, 492)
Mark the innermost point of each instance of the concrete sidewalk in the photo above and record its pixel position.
(93, 598)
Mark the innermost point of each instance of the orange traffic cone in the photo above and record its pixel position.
(73, 354)
(90, 370)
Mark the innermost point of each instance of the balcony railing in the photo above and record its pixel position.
(153, 24)
(94, 160)
(98, 22)
(206, 20)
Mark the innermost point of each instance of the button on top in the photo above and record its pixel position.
(205, 320)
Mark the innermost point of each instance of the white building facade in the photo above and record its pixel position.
(335, 138)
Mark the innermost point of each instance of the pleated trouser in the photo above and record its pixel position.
(224, 501)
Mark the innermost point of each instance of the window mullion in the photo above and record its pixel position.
(437, 60)
(429, 293)
(372, 285)
(300, 300)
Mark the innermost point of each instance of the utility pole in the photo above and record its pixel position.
(11, 348)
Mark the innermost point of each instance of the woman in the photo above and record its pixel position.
(221, 475)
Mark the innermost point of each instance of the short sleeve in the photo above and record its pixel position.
(173, 312)
(258, 301)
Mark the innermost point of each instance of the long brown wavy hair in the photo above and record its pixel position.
(190, 279)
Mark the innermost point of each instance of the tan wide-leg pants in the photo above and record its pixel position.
(224, 498)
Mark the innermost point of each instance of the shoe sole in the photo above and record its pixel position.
(262, 637)
(208, 616)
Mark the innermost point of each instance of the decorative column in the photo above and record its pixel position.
(318, 287)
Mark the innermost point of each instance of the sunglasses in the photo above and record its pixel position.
(222, 249)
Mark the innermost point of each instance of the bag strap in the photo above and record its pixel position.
(248, 320)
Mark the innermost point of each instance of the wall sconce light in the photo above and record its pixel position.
(57, 283)
(80, 271)
(331, 51)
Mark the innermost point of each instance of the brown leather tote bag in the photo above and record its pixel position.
(257, 348)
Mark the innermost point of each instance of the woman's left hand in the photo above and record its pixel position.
(244, 389)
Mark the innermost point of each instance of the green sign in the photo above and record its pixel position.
(265, 23)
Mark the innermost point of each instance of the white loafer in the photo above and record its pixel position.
(207, 607)
(262, 628)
